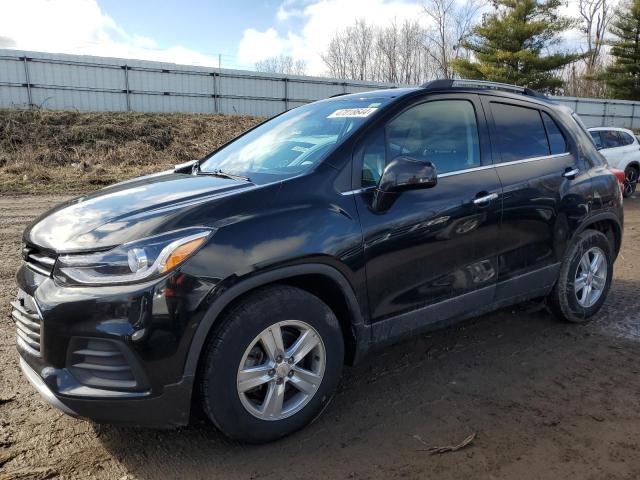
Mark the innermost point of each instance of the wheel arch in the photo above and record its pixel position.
(322, 280)
(635, 163)
(609, 225)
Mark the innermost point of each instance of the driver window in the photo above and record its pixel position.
(444, 132)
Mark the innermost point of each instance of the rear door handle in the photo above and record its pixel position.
(571, 173)
(485, 199)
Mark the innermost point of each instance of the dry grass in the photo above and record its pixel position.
(43, 151)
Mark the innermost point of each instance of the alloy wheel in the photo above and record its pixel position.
(591, 277)
(281, 370)
(630, 181)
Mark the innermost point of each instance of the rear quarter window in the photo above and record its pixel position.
(557, 142)
(626, 138)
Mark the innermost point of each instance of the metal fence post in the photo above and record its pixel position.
(215, 91)
(126, 86)
(604, 114)
(28, 81)
(633, 114)
(285, 81)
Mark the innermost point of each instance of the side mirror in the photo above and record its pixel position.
(403, 173)
(186, 167)
(406, 173)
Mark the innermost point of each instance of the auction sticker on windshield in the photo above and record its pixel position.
(352, 112)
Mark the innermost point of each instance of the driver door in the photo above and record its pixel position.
(432, 254)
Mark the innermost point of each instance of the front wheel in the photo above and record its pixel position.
(584, 279)
(272, 365)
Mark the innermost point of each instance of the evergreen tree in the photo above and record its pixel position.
(508, 45)
(623, 77)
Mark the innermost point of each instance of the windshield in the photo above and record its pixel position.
(292, 142)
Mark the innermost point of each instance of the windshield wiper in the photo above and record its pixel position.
(219, 173)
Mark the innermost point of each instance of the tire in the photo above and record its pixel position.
(236, 351)
(630, 181)
(580, 306)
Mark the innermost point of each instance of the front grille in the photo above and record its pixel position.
(100, 363)
(39, 260)
(28, 322)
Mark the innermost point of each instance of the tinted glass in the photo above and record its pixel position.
(597, 139)
(294, 141)
(521, 132)
(610, 139)
(557, 142)
(444, 132)
(626, 138)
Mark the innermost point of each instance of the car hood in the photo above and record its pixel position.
(131, 210)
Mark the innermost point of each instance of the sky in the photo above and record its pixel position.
(198, 32)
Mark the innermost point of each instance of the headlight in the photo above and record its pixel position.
(132, 262)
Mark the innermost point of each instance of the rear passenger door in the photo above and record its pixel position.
(611, 143)
(546, 191)
(627, 149)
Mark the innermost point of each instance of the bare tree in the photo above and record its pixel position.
(350, 52)
(361, 34)
(336, 58)
(452, 24)
(284, 64)
(581, 78)
(594, 17)
(395, 53)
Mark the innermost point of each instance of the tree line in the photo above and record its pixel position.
(522, 42)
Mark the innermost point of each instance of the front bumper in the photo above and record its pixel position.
(112, 354)
(43, 390)
(171, 408)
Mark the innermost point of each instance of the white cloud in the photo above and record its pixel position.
(320, 20)
(80, 26)
(257, 45)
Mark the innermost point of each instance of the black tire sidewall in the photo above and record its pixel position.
(261, 310)
(566, 300)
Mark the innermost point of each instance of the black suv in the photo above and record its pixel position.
(246, 280)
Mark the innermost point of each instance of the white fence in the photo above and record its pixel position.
(85, 83)
(78, 82)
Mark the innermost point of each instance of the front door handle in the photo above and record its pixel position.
(485, 199)
(571, 173)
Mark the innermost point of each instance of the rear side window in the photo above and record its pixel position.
(610, 139)
(597, 139)
(557, 142)
(521, 132)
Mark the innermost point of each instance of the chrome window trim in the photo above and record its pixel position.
(474, 169)
(357, 191)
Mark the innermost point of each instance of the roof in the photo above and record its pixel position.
(617, 129)
(384, 93)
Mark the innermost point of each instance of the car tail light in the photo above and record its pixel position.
(620, 176)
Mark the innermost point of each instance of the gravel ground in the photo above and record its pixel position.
(546, 400)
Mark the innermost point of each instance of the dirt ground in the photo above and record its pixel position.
(547, 400)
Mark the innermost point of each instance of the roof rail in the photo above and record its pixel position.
(444, 84)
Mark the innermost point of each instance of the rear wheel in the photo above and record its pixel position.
(630, 181)
(272, 365)
(584, 279)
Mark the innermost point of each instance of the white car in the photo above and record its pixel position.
(621, 148)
